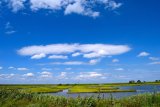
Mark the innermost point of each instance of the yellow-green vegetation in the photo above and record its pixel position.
(14, 98)
(36, 88)
(75, 88)
(82, 89)
(49, 89)
(96, 89)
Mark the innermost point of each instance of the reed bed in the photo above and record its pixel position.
(16, 98)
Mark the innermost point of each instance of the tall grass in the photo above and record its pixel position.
(15, 98)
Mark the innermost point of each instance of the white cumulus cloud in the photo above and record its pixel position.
(22, 69)
(143, 54)
(115, 60)
(113, 5)
(88, 50)
(94, 61)
(7, 76)
(155, 63)
(82, 7)
(46, 4)
(38, 56)
(16, 5)
(76, 54)
(89, 75)
(119, 69)
(58, 57)
(63, 75)
(153, 58)
(68, 68)
(11, 67)
(45, 74)
(46, 69)
(69, 63)
(9, 29)
(28, 75)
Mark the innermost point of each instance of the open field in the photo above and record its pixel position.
(14, 98)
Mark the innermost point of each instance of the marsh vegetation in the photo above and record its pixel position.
(14, 98)
(34, 96)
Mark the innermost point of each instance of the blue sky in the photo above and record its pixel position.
(79, 41)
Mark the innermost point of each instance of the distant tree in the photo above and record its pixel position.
(139, 81)
(131, 82)
(144, 81)
(156, 80)
(59, 84)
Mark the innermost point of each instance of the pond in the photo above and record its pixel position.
(139, 90)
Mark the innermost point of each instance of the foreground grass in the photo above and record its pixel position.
(15, 98)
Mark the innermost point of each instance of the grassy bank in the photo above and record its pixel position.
(78, 88)
(96, 89)
(14, 98)
(36, 88)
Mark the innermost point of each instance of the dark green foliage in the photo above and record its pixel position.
(157, 80)
(131, 82)
(139, 81)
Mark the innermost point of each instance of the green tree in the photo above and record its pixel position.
(131, 82)
(139, 81)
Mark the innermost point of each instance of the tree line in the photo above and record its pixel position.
(139, 81)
